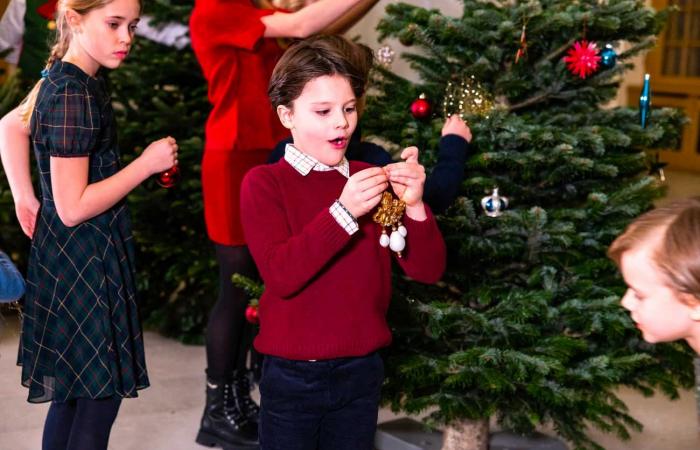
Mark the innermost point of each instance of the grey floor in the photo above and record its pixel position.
(166, 415)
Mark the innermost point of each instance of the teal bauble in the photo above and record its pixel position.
(608, 57)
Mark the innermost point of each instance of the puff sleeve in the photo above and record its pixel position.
(71, 122)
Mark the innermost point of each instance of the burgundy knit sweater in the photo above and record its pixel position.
(326, 292)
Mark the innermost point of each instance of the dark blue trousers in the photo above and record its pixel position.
(11, 282)
(320, 405)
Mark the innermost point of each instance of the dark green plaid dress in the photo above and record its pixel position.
(81, 336)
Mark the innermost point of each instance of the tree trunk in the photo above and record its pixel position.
(467, 435)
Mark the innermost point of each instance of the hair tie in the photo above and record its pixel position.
(44, 73)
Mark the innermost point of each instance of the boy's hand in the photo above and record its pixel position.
(160, 155)
(407, 178)
(363, 191)
(26, 210)
(455, 125)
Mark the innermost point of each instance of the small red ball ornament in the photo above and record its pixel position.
(420, 108)
(251, 313)
(582, 59)
(169, 178)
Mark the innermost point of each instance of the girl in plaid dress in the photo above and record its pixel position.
(81, 346)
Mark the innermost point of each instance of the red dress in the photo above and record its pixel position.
(242, 128)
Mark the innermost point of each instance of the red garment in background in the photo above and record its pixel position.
(242, 128)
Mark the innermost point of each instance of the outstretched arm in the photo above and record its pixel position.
(350, 18)
(443, 183)
(314, 18)
(14, 152)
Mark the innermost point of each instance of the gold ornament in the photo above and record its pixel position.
(389, 215)
(467, 98)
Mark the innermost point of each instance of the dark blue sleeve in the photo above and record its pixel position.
(443, 183)
(11, 282)
(278, 151)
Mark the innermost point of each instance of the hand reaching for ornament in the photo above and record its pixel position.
(455, 125)
(363, 191)
(407, 179)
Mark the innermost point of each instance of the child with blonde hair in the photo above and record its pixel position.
(81, 345)
(659, 257)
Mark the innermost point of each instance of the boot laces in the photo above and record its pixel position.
(241, 397)
(233, 414)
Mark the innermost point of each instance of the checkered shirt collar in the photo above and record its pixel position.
(304, 163)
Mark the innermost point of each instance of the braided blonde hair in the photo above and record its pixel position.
(60, 47)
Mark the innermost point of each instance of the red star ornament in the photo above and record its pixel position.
(582, 59)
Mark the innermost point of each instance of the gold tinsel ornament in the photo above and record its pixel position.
(466, 97)
(389, 215)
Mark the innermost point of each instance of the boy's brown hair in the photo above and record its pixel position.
(677, 227)
(316, 57)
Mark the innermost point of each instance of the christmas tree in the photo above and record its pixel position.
(526, 326)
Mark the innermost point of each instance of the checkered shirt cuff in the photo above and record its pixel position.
(344, 218)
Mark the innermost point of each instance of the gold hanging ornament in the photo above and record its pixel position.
(466, 97)
(389, 215)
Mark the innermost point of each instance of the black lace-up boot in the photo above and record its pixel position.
(223, 425)
(241, 397)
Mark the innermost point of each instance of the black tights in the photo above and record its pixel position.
(81, 424)
(229, 335)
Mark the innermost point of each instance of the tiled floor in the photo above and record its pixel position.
(166, 416)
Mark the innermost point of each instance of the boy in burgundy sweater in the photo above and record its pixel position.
(308, 225)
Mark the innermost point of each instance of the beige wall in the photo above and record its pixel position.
(632, 78)
(366, 30)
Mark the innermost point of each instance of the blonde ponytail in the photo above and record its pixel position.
(58, 50)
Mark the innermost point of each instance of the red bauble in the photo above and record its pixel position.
(169, 178)
(420, 108)
(251, 314)
(582, 59)
(48, 10)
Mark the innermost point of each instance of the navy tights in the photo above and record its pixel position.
(81, 424)
(229, 335)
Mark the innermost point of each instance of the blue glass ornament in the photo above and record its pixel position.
(494, 204)
(645, 102)
(608, 57)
